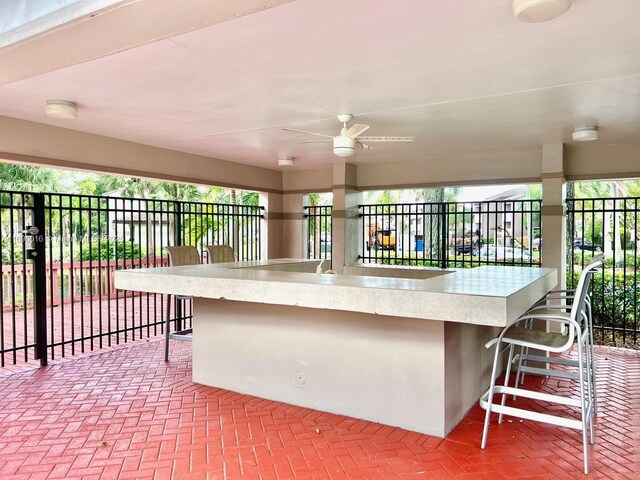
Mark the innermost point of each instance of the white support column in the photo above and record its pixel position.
(553, 211)
(346, 238)
(554, 251)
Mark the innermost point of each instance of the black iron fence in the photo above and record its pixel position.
(16, 288)
(318, 231)
(608, 225)
(57, 281)
(452, 234)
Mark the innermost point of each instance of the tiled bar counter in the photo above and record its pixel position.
(399, 346)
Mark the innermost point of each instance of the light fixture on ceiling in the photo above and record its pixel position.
(585, 134)
(287, 161)
(62, 109)
(344, 146)
(536, 11)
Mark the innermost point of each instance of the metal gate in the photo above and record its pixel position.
(57, 293)
(608, 225)
(17, 326)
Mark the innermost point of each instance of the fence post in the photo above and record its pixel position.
(177, 239)
(177, 224)
(38, 256)
(444, 236)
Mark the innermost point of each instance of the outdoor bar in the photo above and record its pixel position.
(406, 352)
(319, 239)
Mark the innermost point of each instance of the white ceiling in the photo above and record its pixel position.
(461, 76)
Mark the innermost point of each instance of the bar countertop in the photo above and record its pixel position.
(487, 295)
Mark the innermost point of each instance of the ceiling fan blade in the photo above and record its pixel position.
(308, 133)
(364, 146)
(314, 141)
(355, 130)
(387, 139)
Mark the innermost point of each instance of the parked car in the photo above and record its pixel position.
(584, 245)
(505, 254)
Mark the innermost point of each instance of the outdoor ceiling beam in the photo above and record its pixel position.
(45, 145)
(111, 29)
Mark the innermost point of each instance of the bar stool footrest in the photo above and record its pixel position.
(184, 335)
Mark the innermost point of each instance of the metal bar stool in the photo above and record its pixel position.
(178, 256)
(515, 335)
(562, 301)
(221, 254)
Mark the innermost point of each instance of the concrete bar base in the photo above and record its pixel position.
(417, 374)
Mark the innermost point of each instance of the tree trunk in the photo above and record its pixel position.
(570, 222)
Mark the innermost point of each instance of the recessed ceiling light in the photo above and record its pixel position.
(585, 134)
(62, 109)
(287, 161)
(535, 11)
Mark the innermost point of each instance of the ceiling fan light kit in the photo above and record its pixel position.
(345, 144)
(585, 134)
(536, 11)
(63, 109)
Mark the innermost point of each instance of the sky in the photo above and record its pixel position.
(469, 194)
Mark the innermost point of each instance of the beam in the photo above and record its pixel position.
(91, 34)
(39, 144)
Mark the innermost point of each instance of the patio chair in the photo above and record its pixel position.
(563, 300)
(178, 256)
(519, 335)
(221, 254)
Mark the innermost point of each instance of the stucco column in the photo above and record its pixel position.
(346, 237)
(271, 244)
(554, 254)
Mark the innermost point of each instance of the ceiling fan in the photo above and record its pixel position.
(349, 139)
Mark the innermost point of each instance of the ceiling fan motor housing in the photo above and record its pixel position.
(344, 146)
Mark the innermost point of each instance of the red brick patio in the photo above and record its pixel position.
(124, 413)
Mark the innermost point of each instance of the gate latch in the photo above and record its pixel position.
(31, 231)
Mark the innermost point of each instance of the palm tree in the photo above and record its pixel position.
(21, 178)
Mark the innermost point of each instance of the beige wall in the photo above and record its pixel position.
(42, 144)
(601, 161)
(375, 367)
(486, 167)
(307, 181)
(594, 161)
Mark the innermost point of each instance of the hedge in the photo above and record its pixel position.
(104, 250)
(614, 298)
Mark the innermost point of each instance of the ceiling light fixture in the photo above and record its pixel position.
(585, 134)
(287, 161)
(62, 109)
(536, 11)
(344, 146)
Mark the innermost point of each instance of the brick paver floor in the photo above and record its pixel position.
(124, 413)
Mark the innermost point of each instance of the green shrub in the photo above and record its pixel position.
(104, 250)
(408, 262)
(614, 296)
(7, 258)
